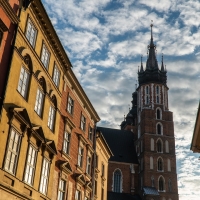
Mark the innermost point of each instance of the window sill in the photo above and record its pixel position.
(79, 168)
(88, 176)
(65, 155)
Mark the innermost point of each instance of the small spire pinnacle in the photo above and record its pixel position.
(124, 116)
(162, 65)
(141, 68)
(151, 29)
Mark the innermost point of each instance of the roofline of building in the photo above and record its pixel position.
(43, 18)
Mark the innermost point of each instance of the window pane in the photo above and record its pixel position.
(12, 152)
(30, 165)
(31, 33)
(56, 75)
(23, 82)
(39, 102)
(45, 56)
(51, 119)
(44, 176)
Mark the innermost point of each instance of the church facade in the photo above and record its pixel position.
(148, 170)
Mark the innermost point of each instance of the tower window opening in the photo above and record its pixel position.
(160, 164)
(161, 184)
(147, 96)
(157, 94)
(159, 146)
(159, 129)
(158, 114)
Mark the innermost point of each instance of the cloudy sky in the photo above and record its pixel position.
(105, 39)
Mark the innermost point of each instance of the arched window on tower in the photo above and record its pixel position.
(152, 144)
(159, 145)
(158, 113)
(159, 129)
(170, 185)
(151, 162)
(152, 181)
(167, 146)
(161, 184)
(117, 185)
(157, 94)
(169, 165)
(147, 96)
(160, 164)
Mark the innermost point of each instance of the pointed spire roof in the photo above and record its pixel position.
(152, 73)
(152, 61)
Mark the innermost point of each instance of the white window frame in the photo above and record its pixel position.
(51, 118)
(44, 176)
(39, 102)
(83, 122)
(88, 166)
(56, 75)
(12, 154)
(70, 105)
(23, 82)
(30, 165)
(31, 32)
(45, 56)
(78, 195)
(80, 156)
(66, 142)
(62, 189)
(90, 134)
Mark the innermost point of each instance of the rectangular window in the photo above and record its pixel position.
(45, 56)
(30, 165)
(51, 119)
(39, 102)
(61, 190)
(90, 134)
(23, 82)
(1, 36)
(78, 195)
(95, 187)
(66, 142)
(96, 164)
(56, 75)
(44, 176)
(12, 152)
(83, 121)
(80, 156)
(102, 194)
(88, 167)
(31, 33)
(102, 170)
(70, 105)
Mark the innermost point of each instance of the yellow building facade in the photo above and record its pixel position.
(103, 153)
(29, 124)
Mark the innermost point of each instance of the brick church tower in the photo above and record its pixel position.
(152, 123)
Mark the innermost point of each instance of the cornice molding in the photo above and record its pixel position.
(9, 11)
